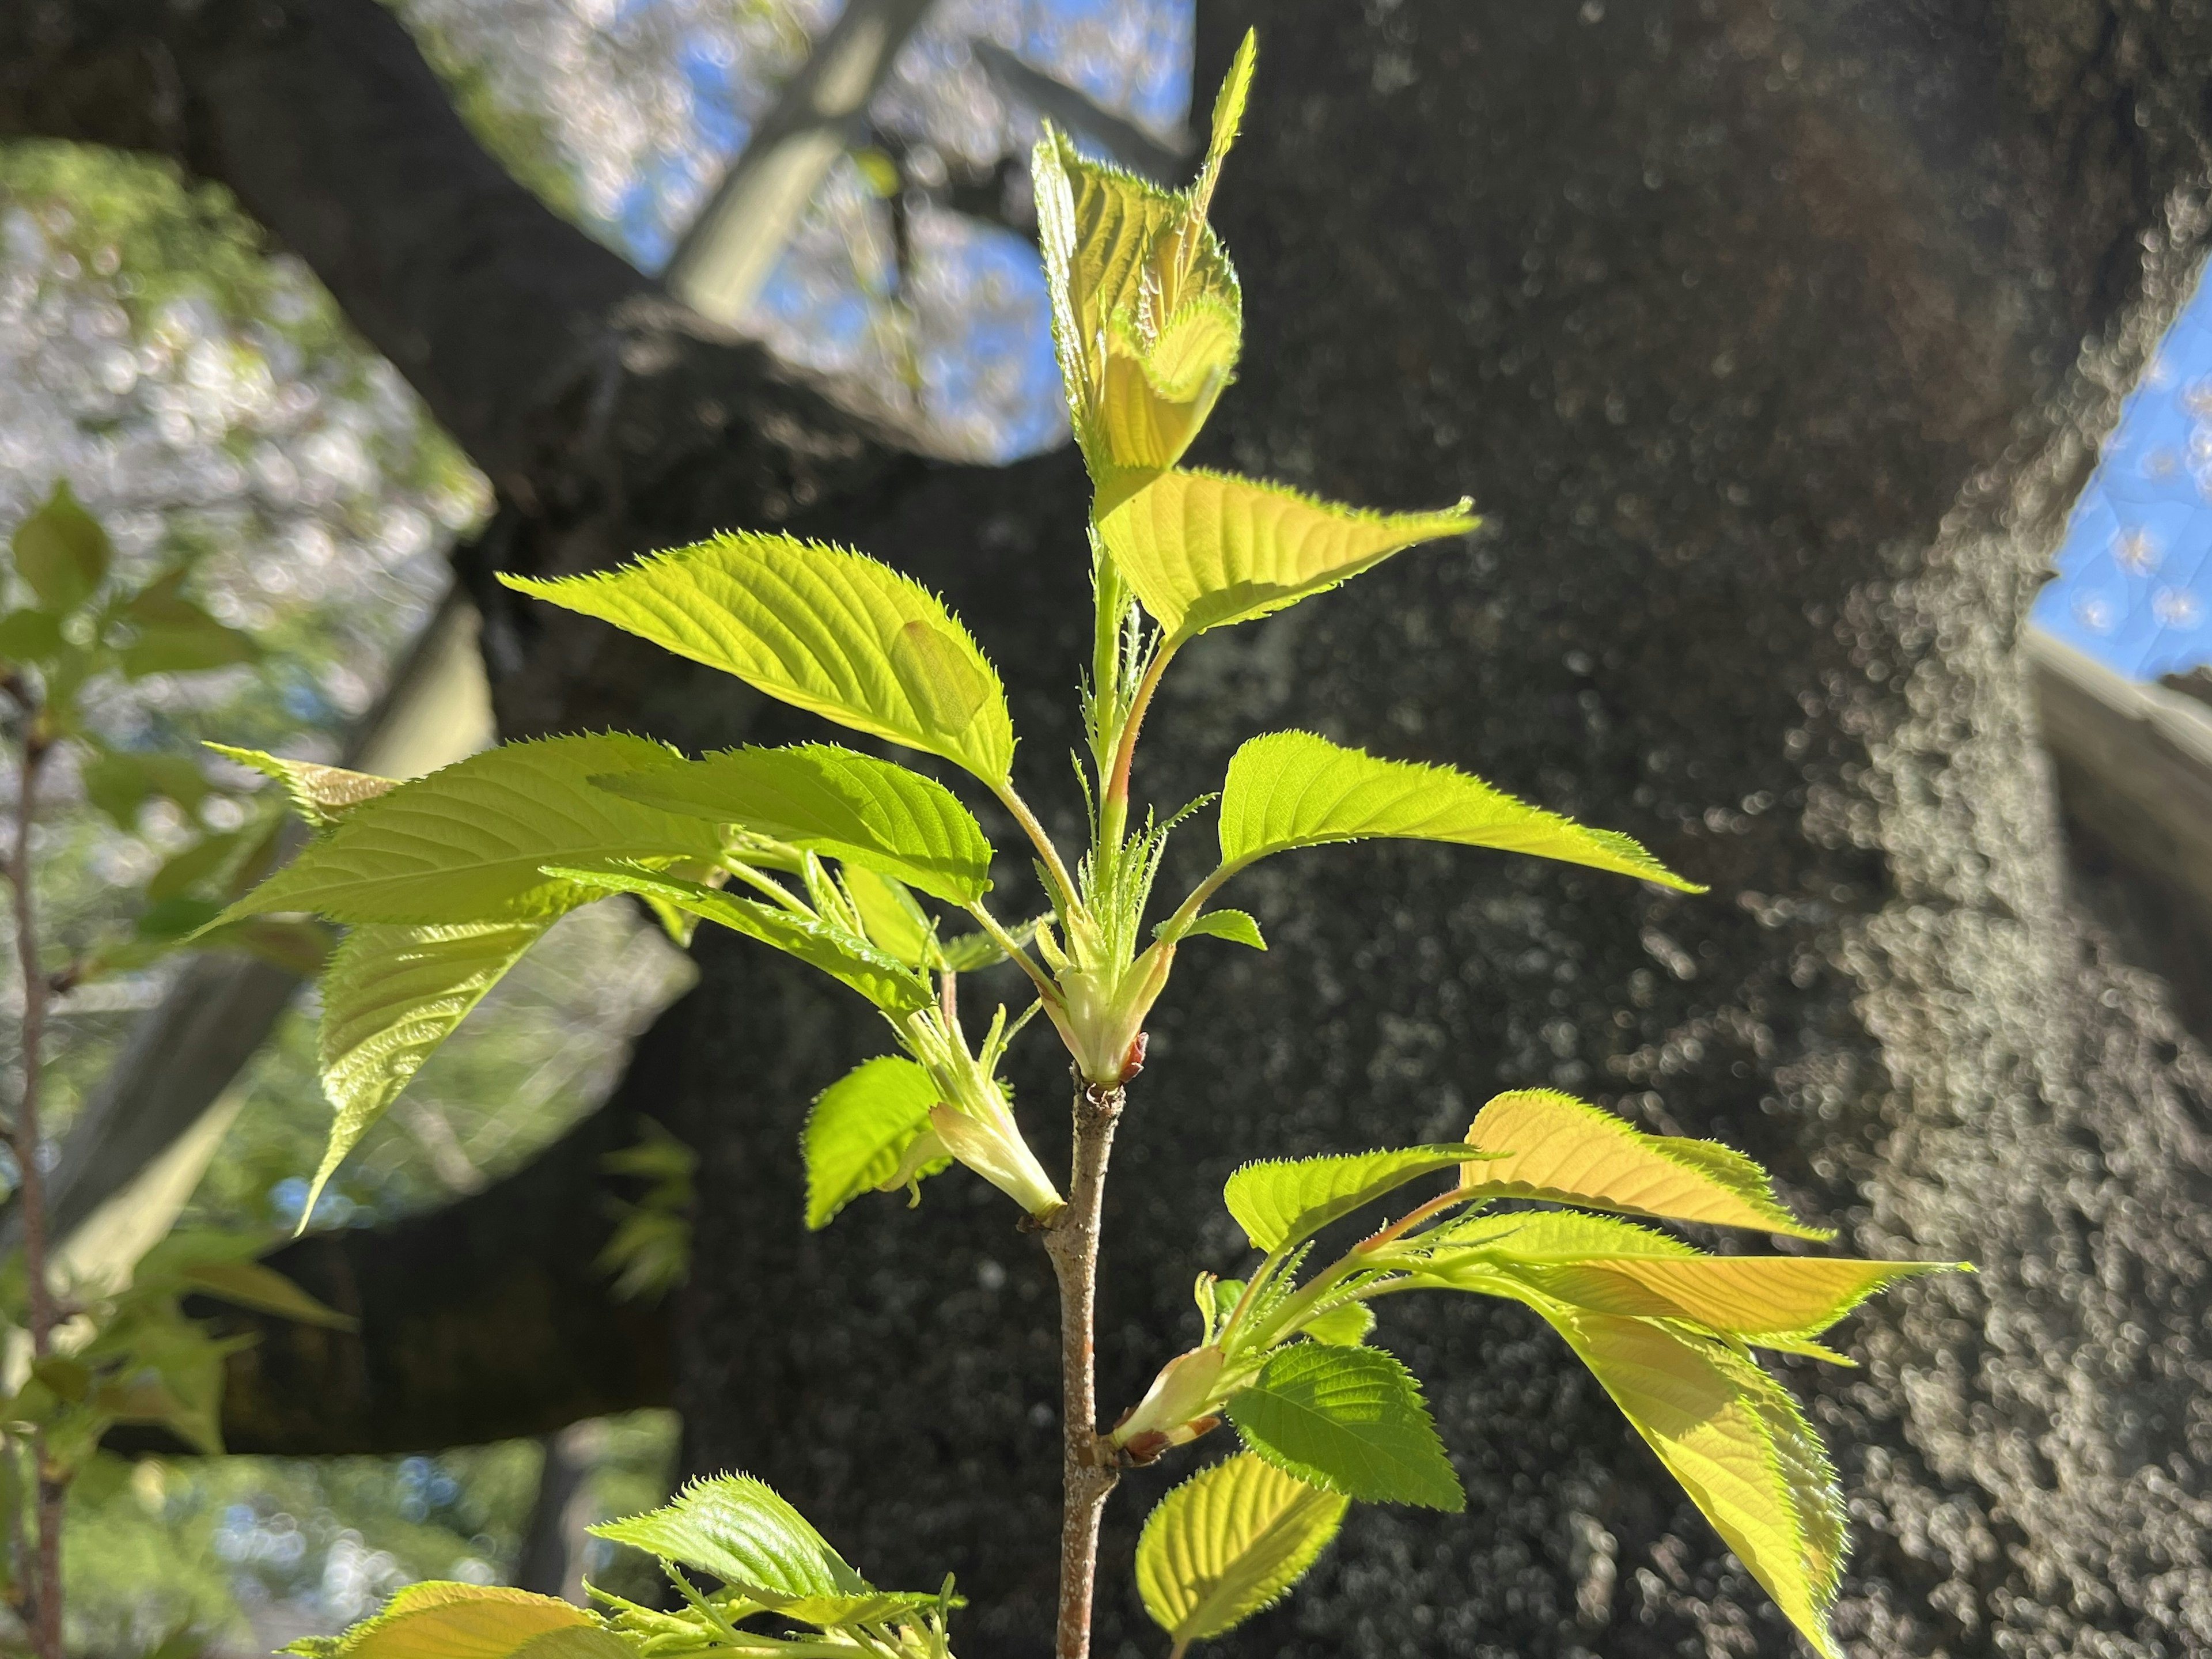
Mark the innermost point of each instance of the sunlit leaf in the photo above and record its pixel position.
(1345, 1326)
(889, 917)
(1228, 1542)
(320, 794)
(1279, 1202)
(820, 627)
(1238, 926)
(738, 1529)
(846, 957)
(390, 995)
(1349, 1420)
(1560, 1148)
(1204, 549)
(1738, 1446)
(833, 802)
(470, 842)
(859, 1126)
(1292, 789)
(443, 1620)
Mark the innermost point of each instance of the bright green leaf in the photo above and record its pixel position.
(848, 959)
(1281, 1202)
(1351, 1420)
(736, 1528)
(390, 995)
(859, 1126)
(1292, 789)
(62, 552)
(1204, 549)
(470, 842)
(1559, 1148)
(1345, 1326)
(320, 794)
(1238, 926)
(441, 1620)
(832, 801)
(1543, 1236)
(1228, 1542)
(820, 627)
(1738, 1445)
(889, 917)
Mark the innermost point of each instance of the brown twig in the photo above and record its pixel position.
(1087, 1468)
(46, 1574)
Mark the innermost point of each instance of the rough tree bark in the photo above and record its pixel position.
(1774, 339)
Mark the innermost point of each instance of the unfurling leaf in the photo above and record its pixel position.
(859, 1126)
(820, 627)
(1204, 549)
(1563, 1149)
(1738, 1445)
(1228, 1542)
(320, 794)
(470, 842)
(1351, 1420)
(1292, 789)
(1345, 1326)
(61, 551)
(846, 957)
(738, 1529)
(438, 1620)
(392, 994)
(1281, 1202)
(832, 801)
(893, 922)
(1238, 926)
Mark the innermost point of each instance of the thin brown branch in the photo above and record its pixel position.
(47, 1570)
(1087, 1471)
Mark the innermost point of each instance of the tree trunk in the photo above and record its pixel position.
(1773, 340)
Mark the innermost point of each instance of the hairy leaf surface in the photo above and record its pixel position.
(1238, 926)
(1345, 1326)
(1769, 1301)
(859, 1126)
(1560, 1148)
(740, 1530)
(1292, 789)
(470, 842)
(1282, 1201)
(846, 957)
(1204, 549)
(820, 627)
(390, 995)
(1349, 1420)
(830, 801)
(1228, 1542)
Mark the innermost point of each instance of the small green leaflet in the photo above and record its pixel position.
(470, 842)
(1565, 1150)
(859, 1126)
(1204, 549)
(830, 801)
(1346, 1325)
(437, 1620)
(1738, 1445)
(1238, 926)
(1228, 1542)
(320, 794)
(390, 995)
(1281, 1202)
(820, 627)
(894, 923)
(1292, 789)
(1349, 1420)
(222, 1265)
(850, 961)
(738, 1529)
(61, 551)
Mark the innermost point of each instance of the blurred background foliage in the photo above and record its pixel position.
(202, 395)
